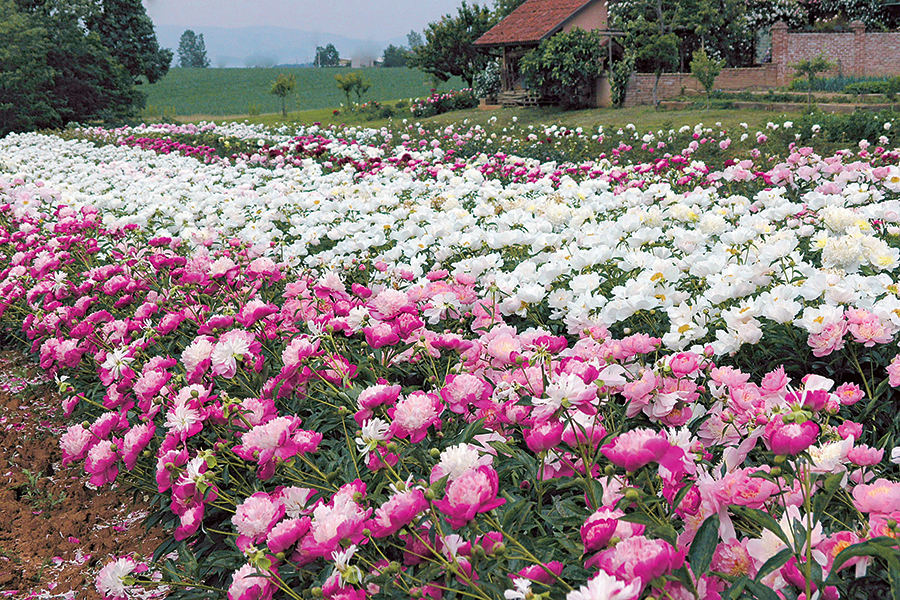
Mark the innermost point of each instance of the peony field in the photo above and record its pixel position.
(472, 362)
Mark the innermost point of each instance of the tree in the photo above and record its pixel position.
(809, 68)
(565, 67)
(327, 56)
(192, 50)
(352, 83)
(650, 41)
(395, 56)
(26, 80)
(449, 44)
(414, 39)
(74, 73)
(283, 85)
(502, 8)
(706, 69)
(127, 32)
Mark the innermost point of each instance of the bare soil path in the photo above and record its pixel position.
(55, 532)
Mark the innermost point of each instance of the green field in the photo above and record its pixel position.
(241, 91)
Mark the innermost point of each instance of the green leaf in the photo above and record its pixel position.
(775, 562)
(831, 485)
(760, 591)
(761, 518)
(704, 545)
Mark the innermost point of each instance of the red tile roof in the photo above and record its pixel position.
(531, 22)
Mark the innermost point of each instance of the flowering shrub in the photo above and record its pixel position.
(417, 379)
(441, 102)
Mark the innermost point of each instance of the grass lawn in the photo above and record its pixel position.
(644, 118)
(220, 92)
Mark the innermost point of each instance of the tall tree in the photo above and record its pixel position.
(192, 50)
(88, 83)
(26, 79)
(504, 7)
(449, 47)
(414, 39)
(124, 27)
(395, 56)
(327, 56)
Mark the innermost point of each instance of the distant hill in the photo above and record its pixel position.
(268, 46)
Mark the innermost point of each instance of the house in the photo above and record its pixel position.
(528, 25)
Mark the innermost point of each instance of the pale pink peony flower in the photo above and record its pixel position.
(254, 517)
(473, 492)
(110, 580)
(389, 303)
(893, 370)
(731, 557)
(75, 443)
(830, 339)
(881, 496)
(248, 583)
(413, 415)
(231, 345)
(606, 587)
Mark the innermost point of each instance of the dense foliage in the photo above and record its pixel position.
(449, 50)
(565, 67)
(192, 51)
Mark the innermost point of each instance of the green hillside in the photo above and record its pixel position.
(239, 91)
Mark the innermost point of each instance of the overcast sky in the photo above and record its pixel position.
(360, 19)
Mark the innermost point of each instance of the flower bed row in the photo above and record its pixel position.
(357, 433)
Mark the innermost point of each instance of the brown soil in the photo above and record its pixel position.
(55, 532)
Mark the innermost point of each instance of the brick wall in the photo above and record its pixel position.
(856, 53)
(640, 86)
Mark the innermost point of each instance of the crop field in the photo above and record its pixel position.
(242, 91)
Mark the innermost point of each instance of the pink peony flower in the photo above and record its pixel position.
(849, 393)
(413, 415)
(790, 438)
(473, 492)
(638, 447)
(881, 496)
(399, 511)
(101, 463)
(604, 586)
(254, 517)
(830, 339)
(640, 558)
(286, 533)
(893, 370)
(543, 436)
(864, 456)
(248, 583)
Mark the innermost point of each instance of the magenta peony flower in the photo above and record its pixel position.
(640, 558)
(790, 438)
(399, 511)
(286, 533)
(543, 436)
(473, 492)
(101, 463)
(638, 447)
